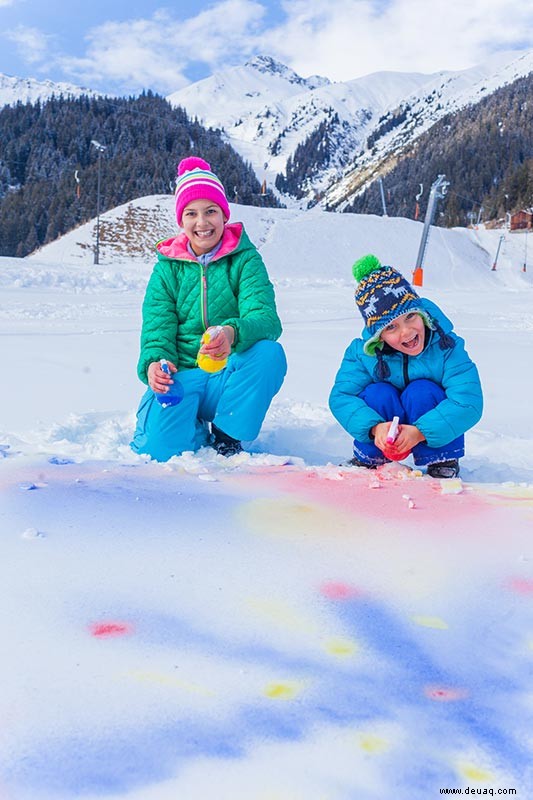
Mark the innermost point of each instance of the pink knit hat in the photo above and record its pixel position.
(195, 181)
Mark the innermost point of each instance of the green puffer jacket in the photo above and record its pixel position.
(183, 298)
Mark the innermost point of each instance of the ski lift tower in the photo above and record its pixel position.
(438, 191)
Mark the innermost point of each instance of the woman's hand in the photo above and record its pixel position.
(219, 346)
(158, 380)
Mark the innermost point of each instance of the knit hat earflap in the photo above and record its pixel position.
(382, 295)
(195, 181)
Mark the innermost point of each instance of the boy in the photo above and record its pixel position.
(408, 364)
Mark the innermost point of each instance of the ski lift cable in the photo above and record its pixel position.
(469, 199)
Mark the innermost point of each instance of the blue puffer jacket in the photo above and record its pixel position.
(451, 368)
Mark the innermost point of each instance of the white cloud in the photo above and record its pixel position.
(31, 43)
(343, 39)
(340, 39)
(155, 53)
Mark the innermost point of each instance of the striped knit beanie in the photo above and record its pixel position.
(383, 295)
(195, 181)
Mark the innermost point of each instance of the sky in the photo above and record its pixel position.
(126, 46)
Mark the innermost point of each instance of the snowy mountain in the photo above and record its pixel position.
(267, 111)
(400, 127)
(29, 90)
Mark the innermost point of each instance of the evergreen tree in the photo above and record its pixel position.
(46, 144)
(485, 151)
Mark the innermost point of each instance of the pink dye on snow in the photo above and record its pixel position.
(444, 695)
(107, 630)
(432, 509)
(339, 591)
(520, 585)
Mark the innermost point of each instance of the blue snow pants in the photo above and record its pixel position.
(236, 399)
(417, 398)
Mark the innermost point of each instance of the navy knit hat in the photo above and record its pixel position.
(382, 295)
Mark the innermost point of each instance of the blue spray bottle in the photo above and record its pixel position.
(175, 390)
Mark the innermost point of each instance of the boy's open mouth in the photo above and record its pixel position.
(412, 344)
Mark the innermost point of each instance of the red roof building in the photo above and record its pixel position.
(521, 220)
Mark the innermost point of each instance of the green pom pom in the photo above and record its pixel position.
(364, 266)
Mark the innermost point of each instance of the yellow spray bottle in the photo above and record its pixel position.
(204, 361)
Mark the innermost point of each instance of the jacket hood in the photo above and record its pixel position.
(234, 238)
(434, 319)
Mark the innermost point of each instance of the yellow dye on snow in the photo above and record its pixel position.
(343, 648)
(283, 691)
(431, 622)
(473, 773)
(283, 615)
(299, 520)
(169, 680)
(373, 744)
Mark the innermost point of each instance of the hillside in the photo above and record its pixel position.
(314, 142)
(49, 166)
(485, 150)
(288, 238)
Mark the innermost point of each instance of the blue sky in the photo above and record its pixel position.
(125, 46)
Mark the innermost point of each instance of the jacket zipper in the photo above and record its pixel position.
(203, 296)
(405, 369)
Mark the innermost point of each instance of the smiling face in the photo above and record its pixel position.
(203, 223)
(406, 334)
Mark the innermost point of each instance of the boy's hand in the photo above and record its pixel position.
(381, 431)
(408, 436)
(158, 380)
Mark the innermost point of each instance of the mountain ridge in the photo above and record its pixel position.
(14, 89)
(268, 125)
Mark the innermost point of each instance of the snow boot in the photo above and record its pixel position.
(444, 469)
(224, 445)
(354, 462)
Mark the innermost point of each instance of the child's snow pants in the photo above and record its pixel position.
(236, 399)
(416, 399)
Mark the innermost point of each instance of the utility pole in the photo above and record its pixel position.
(101, 149)
(383, 198)
(438, 191)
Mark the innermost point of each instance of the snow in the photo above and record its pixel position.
(271, 625)
(15, 90)
(78, 324)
